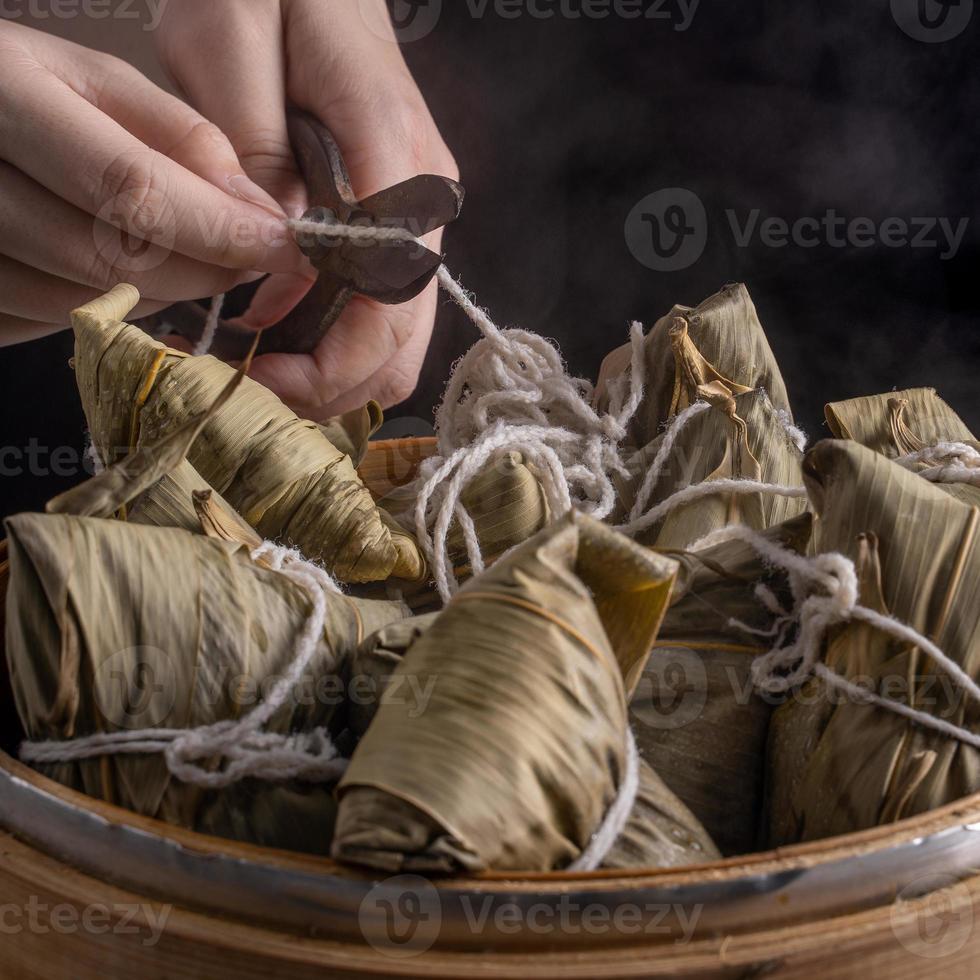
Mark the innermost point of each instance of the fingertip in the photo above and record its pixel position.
(245, 189)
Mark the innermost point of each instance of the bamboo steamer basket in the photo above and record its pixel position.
(897, 901)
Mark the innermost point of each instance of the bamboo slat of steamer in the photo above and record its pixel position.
(394, 463)
(893, 901)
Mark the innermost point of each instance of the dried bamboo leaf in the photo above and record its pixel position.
(721, 339)
(507, 505)
(521, 746)
(739, 437)
(927, 546)
(170, 502)
(122, 481)
(111, 626)
(276, 470)
(372, 667)
(697, 719)
(897, 423)
(661, 832)
(351, 431)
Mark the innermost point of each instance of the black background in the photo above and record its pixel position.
(561, 125)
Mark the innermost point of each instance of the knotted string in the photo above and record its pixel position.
(825, 594)
(243, 745)
(945, 462)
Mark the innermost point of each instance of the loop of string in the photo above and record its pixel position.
(945, 462)
(242, 745)
(825, 594)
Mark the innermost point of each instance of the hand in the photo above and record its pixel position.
(239, 64)
(106, 178)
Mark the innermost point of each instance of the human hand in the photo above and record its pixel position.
(240, 64)
(105, 178)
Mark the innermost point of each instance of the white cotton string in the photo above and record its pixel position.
(617, 816)
(511, 392)
(796, 435)
(825, 592)
(243, 746)
(946, 462)
(652, 475)
(699, 491)
(206, 339)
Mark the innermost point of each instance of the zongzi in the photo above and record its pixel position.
(839, 763)
(280, 473)
(523, 742)
(116, 627)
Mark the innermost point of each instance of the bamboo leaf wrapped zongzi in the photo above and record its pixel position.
(522, 744)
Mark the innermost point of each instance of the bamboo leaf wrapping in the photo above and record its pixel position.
(279, 472)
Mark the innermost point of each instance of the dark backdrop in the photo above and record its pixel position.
(561, 125)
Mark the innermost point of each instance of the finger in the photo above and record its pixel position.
(365, 338)
(45, 232)
(31, 294)
(17, 330)
(379, 118)
(158, 119)
(139, 190)
(395, 381)
(274, 299)
(240, 86)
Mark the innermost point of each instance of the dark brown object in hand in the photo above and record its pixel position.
(390, 272)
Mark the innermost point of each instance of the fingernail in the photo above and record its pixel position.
(247, 190)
